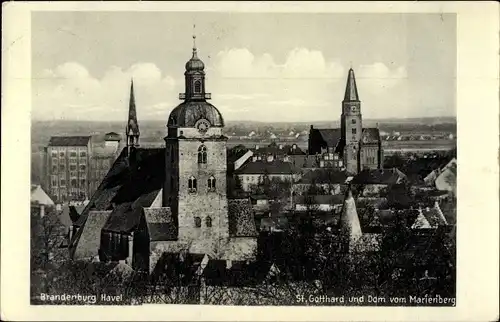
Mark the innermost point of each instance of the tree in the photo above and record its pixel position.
(47, 234)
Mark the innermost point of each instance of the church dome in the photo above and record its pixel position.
(188, 113)
(195, 64)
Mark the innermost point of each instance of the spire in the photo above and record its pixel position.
(132, 129)
(349, 221)
(194, 43)
(351, 90)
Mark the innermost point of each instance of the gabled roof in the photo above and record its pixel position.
(434, 216)
(378, 176)
(161, 224)
(421, 222)
(112, 136)
(126, 189)
(69, 140)
(370, 135)
(87, 239)
(241, 218)
(322, 175)
(263, 167)
(331, 137)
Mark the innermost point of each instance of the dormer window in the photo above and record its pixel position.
(211, 183)
(202, 154)
(192, 184)
(197, 86)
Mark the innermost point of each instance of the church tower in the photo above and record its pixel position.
(132, 129)
(351, 124)
(195, 159)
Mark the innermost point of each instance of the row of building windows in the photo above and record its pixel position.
(73, 154)
(193, 185)
(73, 182)
(197, 222)
(72, 167)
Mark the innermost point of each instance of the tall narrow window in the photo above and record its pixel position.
(354, 131)
(211, 183)
(353, 121)
(202, 154)
(197, 222)
(197, 86)
(208, 222)
(192, 184)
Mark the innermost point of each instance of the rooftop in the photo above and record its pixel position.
(69, 140)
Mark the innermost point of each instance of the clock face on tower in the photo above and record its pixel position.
(202, 125)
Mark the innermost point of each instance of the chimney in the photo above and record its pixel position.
(294, 146)
(270, 158)
(256, 147)
(281, 146)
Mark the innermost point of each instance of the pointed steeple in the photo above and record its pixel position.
(132, 128)
(349, 221)
(351, 90)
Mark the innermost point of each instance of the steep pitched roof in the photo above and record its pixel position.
(351, 90)
(378, 176)
(421, 222)
(132, 124)
(434, 216)
(322, 175)
(331, 137)
(128, 186)
(161, 224)
(87, 239)
(263, 167)
(69, 140)
(241, 218)
(370, 135)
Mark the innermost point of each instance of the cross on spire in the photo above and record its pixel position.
(194, 37)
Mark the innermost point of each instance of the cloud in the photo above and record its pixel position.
(377, 77)
(69, 91)
(303, 85)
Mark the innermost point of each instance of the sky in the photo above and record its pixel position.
(259, 66)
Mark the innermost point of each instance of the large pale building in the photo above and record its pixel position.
(351, 147)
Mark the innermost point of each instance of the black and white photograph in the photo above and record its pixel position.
(233, 158)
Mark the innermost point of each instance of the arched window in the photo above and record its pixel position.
(211, 183)
(202, 154)
(197, 222)
(192, 184)
(208, 222)
(197, 86)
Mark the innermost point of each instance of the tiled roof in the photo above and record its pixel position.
(263, 167)
(112, 136)
(161, 224)
(421, 222)
(87, 239)
(69, 140)
(241, 218)
(434, 216)
(274, 149)
(320, 176)
(370, 135)
(330, 136)
(126, 189)
(377, 176)
(320, 199)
